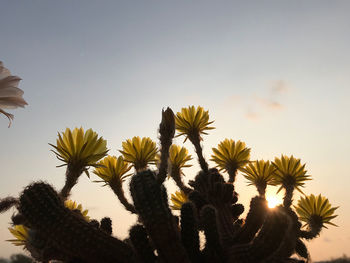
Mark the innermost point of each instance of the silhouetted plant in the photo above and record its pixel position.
(52, 228)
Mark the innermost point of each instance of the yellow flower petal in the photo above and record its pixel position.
(192, 121)
(319, 206)
(178, 199)
(139, 152)
(230, 155)
(79, 148)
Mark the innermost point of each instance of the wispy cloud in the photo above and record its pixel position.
(272, 98)
(252, 115)
(269, 103)
(256, 106)
(279, 86)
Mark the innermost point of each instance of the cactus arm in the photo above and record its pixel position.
(7, 203)
(262, 248)
(106, 225)
(167, 132)
(287, 246)
(189, 231)
(232, 172)
(119, 192)
(310, 233)
(237, 210)
(213, 249)
(301, 249)
(254, 220)
(72, 176)
(287, 200)
(44, 210)
(176, 175)
(141, 243)
(152, 206)
(197, 145)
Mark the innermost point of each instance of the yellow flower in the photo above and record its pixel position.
(112, 170)
(72, 205)
(178, 157)
(20, 232)
(178, 199)
(315, 209)
(139, 152)
(11, 96)
(231, 155)
(79, 148)
(192, 122)
(290, 173)
(259, 173)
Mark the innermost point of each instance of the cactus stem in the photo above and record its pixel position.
(119, 192)
(196, 143)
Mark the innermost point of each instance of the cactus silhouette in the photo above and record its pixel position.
(51, 231)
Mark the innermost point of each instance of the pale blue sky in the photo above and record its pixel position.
(275, 74)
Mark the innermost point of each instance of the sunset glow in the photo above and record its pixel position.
(272, 74)
(273, 201)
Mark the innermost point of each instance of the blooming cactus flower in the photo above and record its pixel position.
(10, 94)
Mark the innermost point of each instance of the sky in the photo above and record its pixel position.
(274, 74)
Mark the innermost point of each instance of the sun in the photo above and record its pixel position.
(273, 201)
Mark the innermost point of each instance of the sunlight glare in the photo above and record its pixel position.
(273, 201)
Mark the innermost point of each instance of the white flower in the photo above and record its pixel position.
(10, 94)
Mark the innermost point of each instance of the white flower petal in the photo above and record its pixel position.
(12, 102)
(4, 72)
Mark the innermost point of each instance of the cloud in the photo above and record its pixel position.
(255, 106)
(251, 115)
(270, 100)
(269, 103)
(279, 87)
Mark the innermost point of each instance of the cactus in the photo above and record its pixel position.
(49, 230)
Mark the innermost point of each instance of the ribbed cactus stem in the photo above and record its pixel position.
(119, 192)
(232, 172)
(237, 210)
(288, 197)
(42, 249)
(44, 210)
(301, 249)
(152, 206)
(213, 247)
(106, 225)
(176, 175)
(197, 145)
(94, 223)
(262, 248)
(225, 222)
(314, 228)
(271, 234)
(261, 187)
(72, 175)
(287, 246)
(254, 220)
(166, 131)
(197, 199)
(141, 243)
(189, 231)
